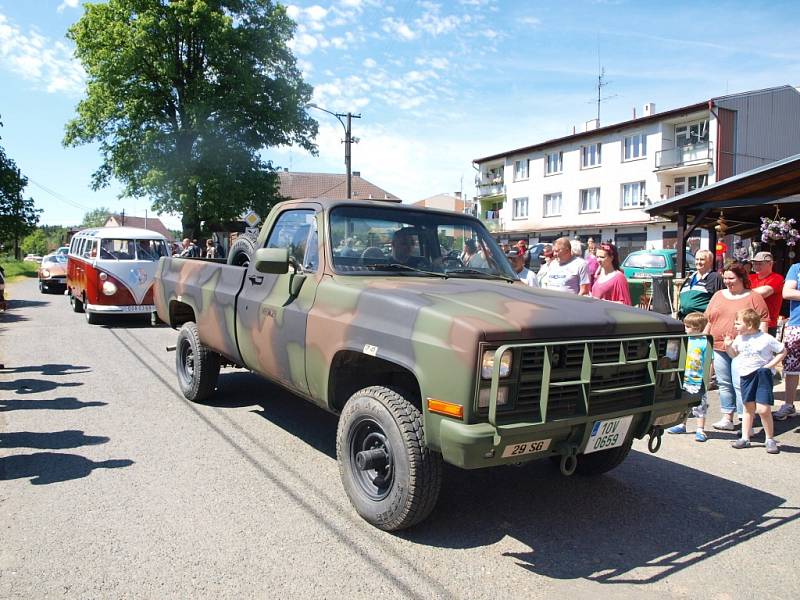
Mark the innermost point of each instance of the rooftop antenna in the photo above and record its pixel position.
(601, 83)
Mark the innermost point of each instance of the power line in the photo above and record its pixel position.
(58, 196)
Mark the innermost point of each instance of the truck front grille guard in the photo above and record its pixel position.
(583, 382)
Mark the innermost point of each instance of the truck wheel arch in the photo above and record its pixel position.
(180, 313)
(351, 371)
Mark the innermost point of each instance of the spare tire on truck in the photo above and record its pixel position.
(242, 250)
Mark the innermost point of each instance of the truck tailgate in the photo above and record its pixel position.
(209, 291)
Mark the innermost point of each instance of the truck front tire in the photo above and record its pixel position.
(197, 366)
(601, 462)
(390, 476)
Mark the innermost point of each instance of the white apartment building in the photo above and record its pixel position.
(595, 183)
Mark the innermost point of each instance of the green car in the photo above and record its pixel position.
(644, 264)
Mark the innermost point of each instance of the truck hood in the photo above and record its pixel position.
(499, 311)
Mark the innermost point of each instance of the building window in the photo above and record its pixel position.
(554, 163)
(520, 169)
(590, 200)
(635, 146)
(687, 184)
(552, 205)
(633, 194)
(691, 133)
(520, 208)
(590, 156)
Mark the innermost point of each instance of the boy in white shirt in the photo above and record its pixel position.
(756, 354)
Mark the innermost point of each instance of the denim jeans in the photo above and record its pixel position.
(730, 394)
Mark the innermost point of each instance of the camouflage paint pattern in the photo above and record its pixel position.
(430, 326)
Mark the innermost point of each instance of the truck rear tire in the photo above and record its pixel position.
(390, 476)
(601, 462)
(197, 365)
(242, 250)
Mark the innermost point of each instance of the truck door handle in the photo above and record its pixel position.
(256, 279)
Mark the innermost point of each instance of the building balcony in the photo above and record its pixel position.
(493, 224)
(690, 155)
(494, 188)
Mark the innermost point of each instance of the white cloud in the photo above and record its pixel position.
(399, 28)
(530, 21)
(67, 4)
(369, 63)
(436, 62)
(38, 59)
(303, 43)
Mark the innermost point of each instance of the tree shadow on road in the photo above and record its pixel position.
(645, 521)
(47, 369)
(55, 440)
(52, 467)
(66, 403)
(33, 386)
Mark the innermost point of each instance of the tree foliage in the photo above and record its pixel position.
(182, 95)
(35, 243)
(95, 218)
(18, 216)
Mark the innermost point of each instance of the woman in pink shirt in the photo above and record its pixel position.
(609, 282)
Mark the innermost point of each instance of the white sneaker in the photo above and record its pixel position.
(787, 410)
(724, 425)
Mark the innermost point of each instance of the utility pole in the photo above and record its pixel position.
(348, 139)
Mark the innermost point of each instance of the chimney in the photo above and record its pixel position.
(458, 195)
(634, 112)
(592, 124)
(356, 173)
(285, 170)
(649, 109)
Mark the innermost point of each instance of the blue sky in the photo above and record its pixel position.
(437, 83)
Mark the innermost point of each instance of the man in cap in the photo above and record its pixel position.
(546, 257)
(769, 286)
(566, 273)
(517, 261)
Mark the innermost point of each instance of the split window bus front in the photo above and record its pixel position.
(120, 249)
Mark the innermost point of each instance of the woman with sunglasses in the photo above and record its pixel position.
(610, 283)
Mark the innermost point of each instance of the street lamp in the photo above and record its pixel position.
(348, 139)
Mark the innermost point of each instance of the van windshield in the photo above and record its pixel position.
(129, 249)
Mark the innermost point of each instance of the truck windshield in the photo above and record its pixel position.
(381, 240)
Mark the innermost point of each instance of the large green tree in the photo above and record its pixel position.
(18, 216)
(183, 95)
(95, 218)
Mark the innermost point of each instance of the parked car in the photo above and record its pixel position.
(643, 264)
(32, 258)
(63, 250)
(53, 273)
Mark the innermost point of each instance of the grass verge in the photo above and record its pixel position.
(17, 268)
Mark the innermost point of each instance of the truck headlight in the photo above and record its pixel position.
(483, 397)
(487, 364)
(673, 349)
(109, 289)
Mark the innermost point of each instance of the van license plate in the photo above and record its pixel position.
(608, 434)
(526, 448)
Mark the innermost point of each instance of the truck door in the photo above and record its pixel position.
(272, 310)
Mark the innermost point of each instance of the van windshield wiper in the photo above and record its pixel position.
(402, 267)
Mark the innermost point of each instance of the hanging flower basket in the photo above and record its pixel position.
(780, 228)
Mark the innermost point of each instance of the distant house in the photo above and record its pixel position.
(328, 185)
(443, 202)
(150, 223)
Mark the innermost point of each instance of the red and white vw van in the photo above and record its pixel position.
(110, 271)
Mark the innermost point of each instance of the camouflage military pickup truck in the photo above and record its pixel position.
(428, 351)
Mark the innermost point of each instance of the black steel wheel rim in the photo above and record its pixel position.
(367, 434)
(187, 362)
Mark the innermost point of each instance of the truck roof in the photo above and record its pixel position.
(329, 203)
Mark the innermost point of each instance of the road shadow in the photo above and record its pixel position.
(56, 440)
(14, 304)
(47, 369)
(136, 321)
(52, 467)
(67, 403)
(307, 422)
(645, 521)
(34, 386)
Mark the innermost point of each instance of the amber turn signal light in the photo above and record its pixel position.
(445, 408)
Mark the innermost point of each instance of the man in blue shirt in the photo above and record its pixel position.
(791, 338)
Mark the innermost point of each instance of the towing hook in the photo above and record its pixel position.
(654, 443)
(569, 460)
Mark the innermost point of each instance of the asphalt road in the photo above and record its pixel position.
(114, 486)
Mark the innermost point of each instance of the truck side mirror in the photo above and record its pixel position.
(272, 260)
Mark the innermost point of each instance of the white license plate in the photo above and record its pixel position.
(526, 448)
(138, 308)
(641, 275)
(608, 434)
